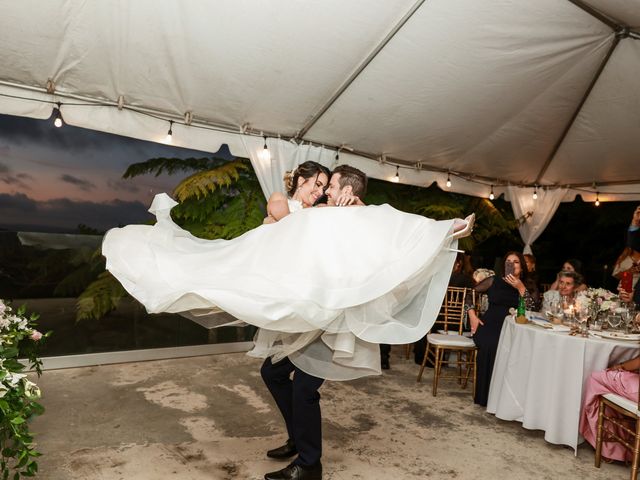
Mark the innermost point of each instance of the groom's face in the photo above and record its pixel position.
(334, 190)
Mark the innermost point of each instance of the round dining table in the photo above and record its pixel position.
(540, 374)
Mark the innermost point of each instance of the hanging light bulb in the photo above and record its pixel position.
(535, 192)
(491, 195)
(265, 154)
(448, 180)
(597, 202)
(396, 179)
(58, 120)
(169, 136)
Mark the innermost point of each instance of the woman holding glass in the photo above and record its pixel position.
(503, 292)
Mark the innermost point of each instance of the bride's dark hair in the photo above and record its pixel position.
(305, 170)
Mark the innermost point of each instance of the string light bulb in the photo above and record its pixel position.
(396, 179)
(597, 202)
(535, 192)
(448, 180)
(58, 120)
(169, 136)
(491, 195)
(265, 154)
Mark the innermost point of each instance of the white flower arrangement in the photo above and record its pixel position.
(18, 394)
(597, 300)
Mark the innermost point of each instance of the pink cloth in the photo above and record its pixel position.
(621, 383)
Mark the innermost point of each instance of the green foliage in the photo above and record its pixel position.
(492, 219)
(18, 395)
(101, 297)
(158, 166)
(223, 199)
(200, 184)
(88, 265)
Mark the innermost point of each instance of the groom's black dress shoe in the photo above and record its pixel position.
(285, 451)
(297, 472)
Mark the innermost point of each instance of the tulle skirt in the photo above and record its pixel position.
(325, 286)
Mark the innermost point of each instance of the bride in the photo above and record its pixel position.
(351, 277)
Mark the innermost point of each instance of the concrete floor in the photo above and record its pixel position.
(212, 418)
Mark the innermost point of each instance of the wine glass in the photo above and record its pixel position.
(583, 316)
(614, 320)
(626, 317)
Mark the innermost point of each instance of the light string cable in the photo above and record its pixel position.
(172, 120)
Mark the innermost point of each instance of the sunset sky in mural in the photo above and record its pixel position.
(54, 179)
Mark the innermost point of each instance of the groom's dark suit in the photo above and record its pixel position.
(299, 403)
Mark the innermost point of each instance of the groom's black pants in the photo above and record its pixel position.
(299, 403)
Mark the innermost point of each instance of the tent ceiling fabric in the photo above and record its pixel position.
(484, 89)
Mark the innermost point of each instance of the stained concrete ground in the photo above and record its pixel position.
(212, 418)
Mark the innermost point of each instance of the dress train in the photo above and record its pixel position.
(324, 285)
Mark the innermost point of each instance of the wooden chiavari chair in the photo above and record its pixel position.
(451, 341)
(621, 417)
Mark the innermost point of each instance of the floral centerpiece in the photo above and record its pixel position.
(597, 300)
(18, 394)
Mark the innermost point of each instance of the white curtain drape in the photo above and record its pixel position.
(284, 156)
(537, 213)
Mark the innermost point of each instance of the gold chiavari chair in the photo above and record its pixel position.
(451, 341)
(621, 417)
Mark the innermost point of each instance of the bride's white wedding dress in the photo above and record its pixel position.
(325, 285)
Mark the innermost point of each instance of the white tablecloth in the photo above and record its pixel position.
(539, 376)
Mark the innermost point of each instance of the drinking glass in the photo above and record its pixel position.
(614, 320)
(596, 324)
(582, 315)
(626, 316)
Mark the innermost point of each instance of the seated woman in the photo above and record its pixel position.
(571, 265)
(568, 285)
(621, 379)
(503, 292)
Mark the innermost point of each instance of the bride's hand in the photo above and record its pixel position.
(347, 199)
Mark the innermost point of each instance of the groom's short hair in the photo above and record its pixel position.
(353, 177)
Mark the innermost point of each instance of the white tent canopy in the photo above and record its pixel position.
(495, 93)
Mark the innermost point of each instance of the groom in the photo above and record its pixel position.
(297, 398)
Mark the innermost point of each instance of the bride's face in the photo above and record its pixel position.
(311, 189)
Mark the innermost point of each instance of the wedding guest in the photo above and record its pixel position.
(629, 259)
(628, 297)
(568, 285)
(531, 266)
(621, 379)
(571, 265)
(482, 273)
(503, 292)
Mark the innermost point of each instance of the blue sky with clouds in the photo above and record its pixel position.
(57, 178)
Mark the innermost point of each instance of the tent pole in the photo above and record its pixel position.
(611, 23)
(302, 132)
(577, 111)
